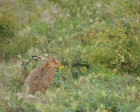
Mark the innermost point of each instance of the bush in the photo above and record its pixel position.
(12, 103)
(18, 45)
(114, 48)
(15, 38)
(8, 27)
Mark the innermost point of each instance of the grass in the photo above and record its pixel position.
(97, 42)
(98, 91)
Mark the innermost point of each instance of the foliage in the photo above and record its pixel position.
(96, 92)
(12, 103)
(114, 48)
(15, 38)
(97, 42)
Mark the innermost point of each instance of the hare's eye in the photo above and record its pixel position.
(53, 60)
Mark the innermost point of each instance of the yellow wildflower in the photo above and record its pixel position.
(105, 110)
(58, 90)
(91, 34)
(61, 67)
(81, 79)
(101, 75)
(83, 69)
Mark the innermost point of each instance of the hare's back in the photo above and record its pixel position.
(35, 73)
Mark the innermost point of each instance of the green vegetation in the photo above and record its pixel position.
(97, 42)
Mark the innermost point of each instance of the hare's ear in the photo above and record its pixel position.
(38, 58)
(35, 57)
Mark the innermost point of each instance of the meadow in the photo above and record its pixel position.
(97, 41)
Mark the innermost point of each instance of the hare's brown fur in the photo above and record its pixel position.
(41, 77)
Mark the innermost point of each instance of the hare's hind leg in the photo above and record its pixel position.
(30, 91)
(44, 91)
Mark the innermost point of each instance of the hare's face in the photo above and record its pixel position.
(55, 63)
(49, 61)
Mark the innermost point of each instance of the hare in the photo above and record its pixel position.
(41, 77)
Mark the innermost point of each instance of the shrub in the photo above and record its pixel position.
(8, 26)
(12, 103)
(114, 48)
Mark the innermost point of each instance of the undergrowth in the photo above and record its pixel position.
(97, 42)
